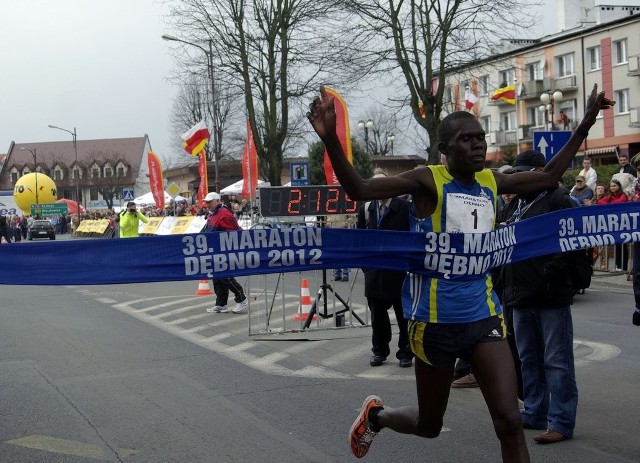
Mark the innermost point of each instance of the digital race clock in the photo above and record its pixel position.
(306, 200)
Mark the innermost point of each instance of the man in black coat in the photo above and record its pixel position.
(540, 292)
(382, 287)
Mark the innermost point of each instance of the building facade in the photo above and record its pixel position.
(554, 76)
(98, 168)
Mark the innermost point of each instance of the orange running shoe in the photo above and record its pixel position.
(361, 435)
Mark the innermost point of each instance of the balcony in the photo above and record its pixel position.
(634, 117)
(634, 66)
(532, 89)
(566, 84)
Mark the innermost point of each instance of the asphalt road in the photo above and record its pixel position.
(141, 373)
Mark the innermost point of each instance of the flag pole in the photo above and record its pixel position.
(515, 81)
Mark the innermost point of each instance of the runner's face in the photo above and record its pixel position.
(467, 150)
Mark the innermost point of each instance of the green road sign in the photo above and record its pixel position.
(48, 210)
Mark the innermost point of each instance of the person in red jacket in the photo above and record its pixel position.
(616, 194)
(219, 218)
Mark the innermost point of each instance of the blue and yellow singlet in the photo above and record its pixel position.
(460, 209)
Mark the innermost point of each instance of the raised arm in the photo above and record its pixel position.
(529, 182)
(322, 116)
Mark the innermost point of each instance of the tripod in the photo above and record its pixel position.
(322, 295)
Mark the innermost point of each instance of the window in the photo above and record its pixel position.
(14, 177)
(622, 101)
(93, 194)
(506, 77)
(569, 108)
(535, 117)
(508, 121)
(533, 72)
(57, 174)
(95, 172)
(620, 52)
(108, 172)
(446, 96)
(593, 57)
(485, 122)
(565, 65)
(120, 171)
(484, 85)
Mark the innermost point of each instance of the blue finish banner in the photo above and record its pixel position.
(251, 252)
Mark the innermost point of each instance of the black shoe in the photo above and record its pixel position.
(636, 317)
(377, 360)
(337, 278)
(406, 362)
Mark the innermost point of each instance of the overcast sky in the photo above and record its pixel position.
(97, 65)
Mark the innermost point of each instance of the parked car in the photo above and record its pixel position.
(41, 229)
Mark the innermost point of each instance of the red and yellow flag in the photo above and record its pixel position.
(506, 94)
(344, 135)
(196, 138)
(156, 182)
(249, 165)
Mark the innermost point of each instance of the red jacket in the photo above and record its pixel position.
(611, 198)
(222, 219)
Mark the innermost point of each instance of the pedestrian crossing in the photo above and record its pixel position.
(267, 339)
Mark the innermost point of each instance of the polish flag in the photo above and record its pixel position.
(470, 99)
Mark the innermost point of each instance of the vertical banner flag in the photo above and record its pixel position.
(203, 189)
(249, 165)
(470, 99)
(156, 181)
(195, 138)
(506, 94)
(343, 132)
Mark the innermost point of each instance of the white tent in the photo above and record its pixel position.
(147, 199)
(236, 188)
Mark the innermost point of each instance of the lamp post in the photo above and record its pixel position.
(35, 170)
(549, 101)
(390, 139)
(366, 126)
(209, 55)
(77, 177)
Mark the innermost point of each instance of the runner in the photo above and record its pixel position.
(450, 319)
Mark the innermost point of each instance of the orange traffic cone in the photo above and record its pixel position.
(203, 288)
(305, 302)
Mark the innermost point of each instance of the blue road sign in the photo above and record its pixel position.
(299, 173)
(127, 194)
(549, 143)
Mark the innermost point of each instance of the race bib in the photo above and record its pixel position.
(469, 214)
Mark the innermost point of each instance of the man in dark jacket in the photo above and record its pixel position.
(540, 292)
(382, 288)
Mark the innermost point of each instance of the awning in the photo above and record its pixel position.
(603, 150)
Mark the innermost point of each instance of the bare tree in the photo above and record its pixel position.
(425, 39)
(276, 53)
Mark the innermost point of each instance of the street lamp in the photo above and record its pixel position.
(35, 170)
(75, 148)
(209, 55)
(390, 139)
(366, 126)
(548, 105)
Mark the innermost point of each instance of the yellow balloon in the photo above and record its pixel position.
(24, 192)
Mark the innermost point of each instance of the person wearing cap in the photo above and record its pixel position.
(220, 218)
(450, 318)
(581, 193)
(539, 292)
(589, 173)
(129, 221)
